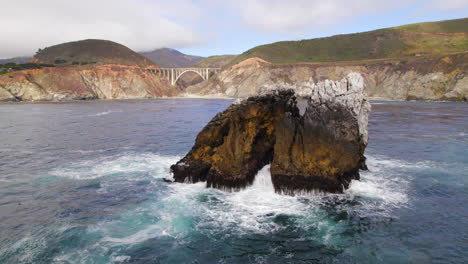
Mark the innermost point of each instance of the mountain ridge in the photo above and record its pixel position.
(91, 51)
(171, 58)
(417, 39)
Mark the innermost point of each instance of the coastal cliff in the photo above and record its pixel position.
(83, 82)
(323, 149)
(428, 78)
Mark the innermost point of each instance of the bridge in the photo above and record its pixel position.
(173, 74)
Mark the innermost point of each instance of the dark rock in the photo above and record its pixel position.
(321, 150)
(236, 143)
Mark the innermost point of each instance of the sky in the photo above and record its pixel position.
(203, 27)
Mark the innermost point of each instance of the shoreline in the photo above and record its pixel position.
(371, 99)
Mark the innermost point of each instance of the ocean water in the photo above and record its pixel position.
(82, 183)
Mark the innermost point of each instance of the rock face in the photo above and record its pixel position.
(320, 150)
(324, 149)
(84, 82)
(236, 143)
(434, 78)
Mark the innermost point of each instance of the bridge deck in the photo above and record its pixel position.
(173, 74)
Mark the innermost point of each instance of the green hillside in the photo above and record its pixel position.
(90, 51)
(171, 58)
(214, 61)
(441, 37)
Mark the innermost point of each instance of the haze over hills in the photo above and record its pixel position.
(441, 37)
(91, 51)
(171, 58)
(16, 60)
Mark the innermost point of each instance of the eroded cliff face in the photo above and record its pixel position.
(320, 150)
(78, 83)
(438, 78)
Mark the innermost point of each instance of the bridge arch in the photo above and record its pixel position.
(189, 70)
(174, 74)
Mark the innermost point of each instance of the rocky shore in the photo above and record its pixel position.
(82, 83)
(438, 78)
(323, 149)
(442, 78)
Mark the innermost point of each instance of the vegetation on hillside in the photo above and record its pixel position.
(442, 37)
(445, 26)
(11, 67)
(214, 61)
(90, 51)
(171, 58)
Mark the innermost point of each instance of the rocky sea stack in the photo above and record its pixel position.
(322, 149)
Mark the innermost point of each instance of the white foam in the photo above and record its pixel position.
(378, 162)
(138, 237)
(187, 208)
(245, 211)
(252, 209)
(384, 186)
(104, 113)
(28, 246)
(156, 165)
(121, 258)
(388, 191)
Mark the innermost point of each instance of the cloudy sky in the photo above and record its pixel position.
(203, 27)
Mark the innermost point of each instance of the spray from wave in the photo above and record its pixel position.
(186, 210)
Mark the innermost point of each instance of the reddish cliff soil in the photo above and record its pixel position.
(85, 82)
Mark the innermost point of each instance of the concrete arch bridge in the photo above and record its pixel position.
(173, 74)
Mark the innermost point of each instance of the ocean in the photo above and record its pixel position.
(82, 182)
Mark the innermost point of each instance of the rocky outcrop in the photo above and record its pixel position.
(431, 78)
(84, 82)
(324, 148)
(320, 150)
(236, 143)
(5, 96)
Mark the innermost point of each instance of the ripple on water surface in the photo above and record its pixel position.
(181, 216)
(87, 188)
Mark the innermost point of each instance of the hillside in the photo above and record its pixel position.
(443, 37)
(171, 58)
(215, 61)
(90, 51)
(441, 77)
(15, 60)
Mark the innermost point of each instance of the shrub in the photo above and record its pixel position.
(60, 61)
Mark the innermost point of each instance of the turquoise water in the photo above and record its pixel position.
(82, 183)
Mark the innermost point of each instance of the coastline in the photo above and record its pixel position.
(202, 97)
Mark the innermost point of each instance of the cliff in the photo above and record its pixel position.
(418, 78)
(83, 82)
(320, 150)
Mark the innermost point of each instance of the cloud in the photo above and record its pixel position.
(447, 4)
(296, 15)
(139, 24)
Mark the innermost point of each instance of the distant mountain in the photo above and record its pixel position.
(443, 37)
(16, 60)
(90, 51)
(171, 58)
(215, 61)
